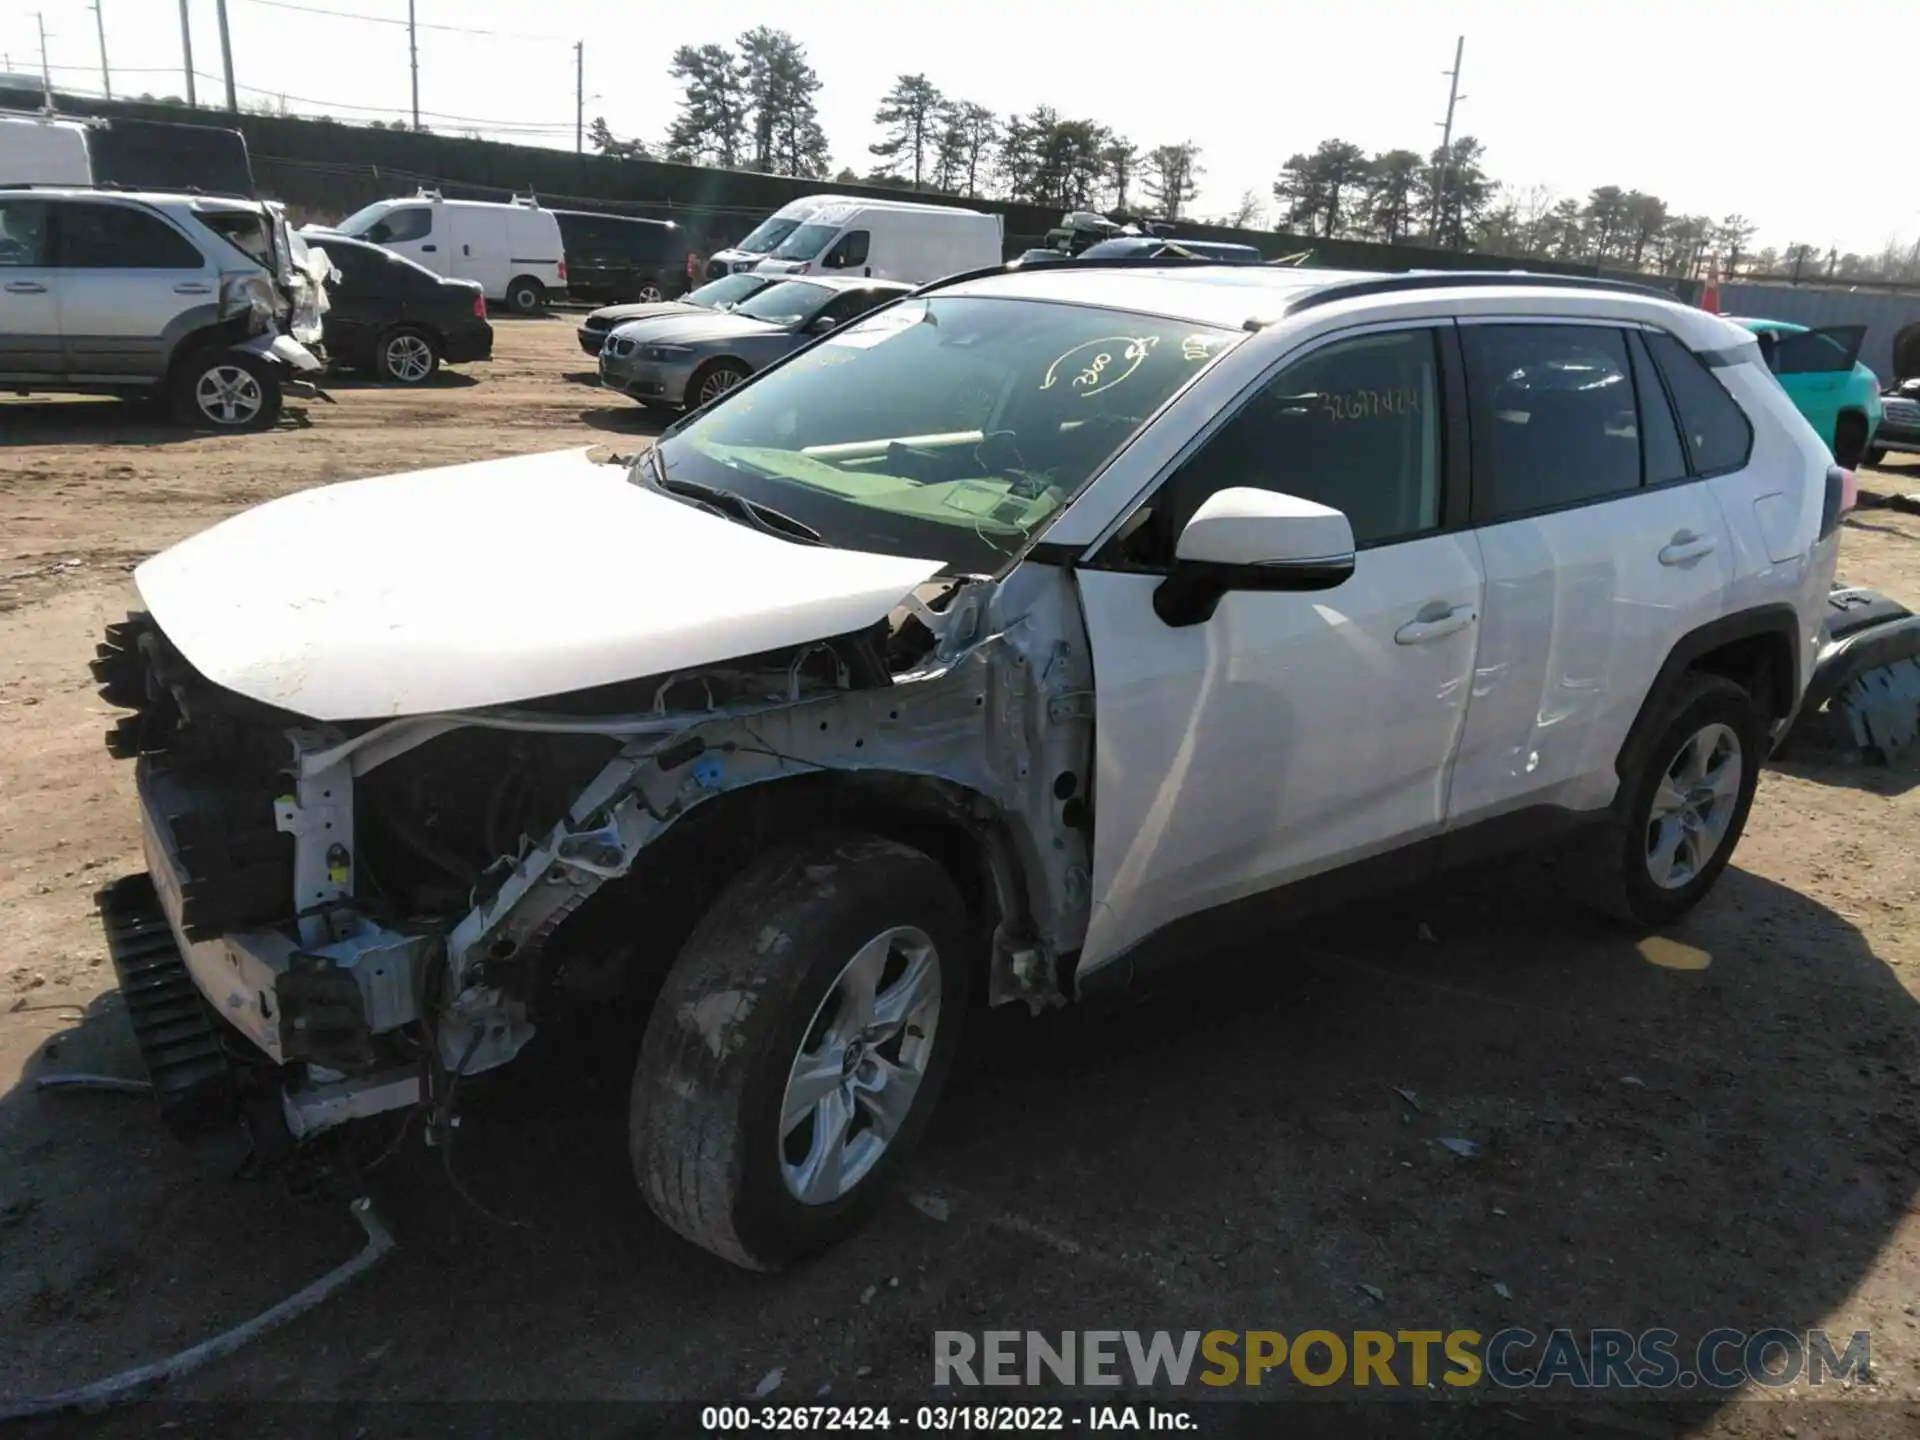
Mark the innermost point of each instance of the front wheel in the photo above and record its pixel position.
(798, 1047)
(1849, 441)
(714, 381)
(649, 293)
(226, 390)
(1678, 816)
(1875, 454)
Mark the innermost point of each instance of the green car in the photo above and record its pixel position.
(1821, 371)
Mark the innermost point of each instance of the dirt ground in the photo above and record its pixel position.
(1716, 1127)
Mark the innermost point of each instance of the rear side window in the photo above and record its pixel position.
(23, 233)
(1717, 434)
(1660, 449)
(1554, 417)
(118, 237)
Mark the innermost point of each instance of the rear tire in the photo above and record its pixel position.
(406, 355)
(1677, 818)
(228, 390)
(798, 1046)
(650, 292)
(1849, 441)
(526, 296)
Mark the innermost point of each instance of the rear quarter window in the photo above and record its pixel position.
(1716, 431)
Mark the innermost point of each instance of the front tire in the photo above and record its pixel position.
(1678, 817)
(228, 390)
(649, 293)
(798, 1047)
(713, 382)
(1875, 454)
(1849, 441)
(407, 355)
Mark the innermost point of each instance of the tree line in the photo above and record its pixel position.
(752, 105)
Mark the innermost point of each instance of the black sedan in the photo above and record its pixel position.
(394, 319)
(722, 294)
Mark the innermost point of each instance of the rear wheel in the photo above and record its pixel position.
(1679, 815)
(407, 356)
(526, 296)
(226, 390)
(649, 293)
(798, 1047)
(1849, 440)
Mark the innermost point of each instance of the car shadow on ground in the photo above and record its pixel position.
(1711, 1127)
(626, 419)
(90, 422)
(440, 380)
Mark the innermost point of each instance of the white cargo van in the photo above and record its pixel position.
(36, 151)
(765, 237)
(888, 240)
(514, 250)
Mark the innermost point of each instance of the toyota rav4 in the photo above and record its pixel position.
(1020, 636)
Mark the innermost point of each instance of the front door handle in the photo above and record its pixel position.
(193, 287)
(428, 249)
(1435, 627)
(25, 287)
(1687, 546)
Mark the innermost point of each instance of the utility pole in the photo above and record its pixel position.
(100, 28)
(226, 55)
(186, 53)
(579, 96)
(413, 61)
(46, 73)
(1446, 137)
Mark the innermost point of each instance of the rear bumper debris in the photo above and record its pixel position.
(1865, 689)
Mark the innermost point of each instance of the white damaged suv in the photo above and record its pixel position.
(1017, 638)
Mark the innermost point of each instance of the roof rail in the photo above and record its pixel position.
(1464, 279)
(1075, 262)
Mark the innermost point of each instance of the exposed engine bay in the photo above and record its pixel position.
(382, 907)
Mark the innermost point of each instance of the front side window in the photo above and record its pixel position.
(1355, 425)
(806, 242)
(411, 222)
(949, 427)
(118, 237)
(23, 234)
(850, 253)
(1715, 428)
(245, 232)
(1555, 422)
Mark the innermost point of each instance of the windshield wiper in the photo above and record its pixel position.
(736, 507)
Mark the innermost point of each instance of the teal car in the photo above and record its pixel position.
(1821, 371)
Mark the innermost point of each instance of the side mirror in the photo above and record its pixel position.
(1249, 539)
(821, 324)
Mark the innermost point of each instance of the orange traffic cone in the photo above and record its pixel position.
(1710, 295)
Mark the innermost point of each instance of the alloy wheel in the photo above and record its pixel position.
(860, 1065)
(1693, 806)
(228, 395)
(409, 359)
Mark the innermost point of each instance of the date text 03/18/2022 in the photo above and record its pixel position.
(944, 1419)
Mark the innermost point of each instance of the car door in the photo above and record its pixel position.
(1814, 367)
(363, 301)
(1601, 546)
(29, 289)
(131, 283)
(851, 254)
(1290, 733)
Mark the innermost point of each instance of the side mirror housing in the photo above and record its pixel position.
(820, 325)
(1251, 539)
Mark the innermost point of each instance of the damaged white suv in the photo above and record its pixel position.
(1017, 637)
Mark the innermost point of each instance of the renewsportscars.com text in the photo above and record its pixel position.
(1514, 1358)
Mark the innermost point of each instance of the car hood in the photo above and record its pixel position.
(696, 329)
(492, 583)
(646, 310)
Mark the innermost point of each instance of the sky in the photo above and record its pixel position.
(1716, 107)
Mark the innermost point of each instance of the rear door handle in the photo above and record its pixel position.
(1419, 632)
(1687, 546)
(25, 287)
(193, 287)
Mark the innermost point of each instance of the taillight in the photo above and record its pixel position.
(1843, 491)
(563, 272)
(479, 307)
(690, 265)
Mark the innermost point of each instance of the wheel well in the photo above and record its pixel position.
(1859, 417)
(194, 342)
(533, 280)
(675, 880)
(432, 332)
(709, 366)
(1762, 665)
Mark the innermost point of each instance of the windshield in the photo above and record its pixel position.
(726, 293)
(949, 428)
(806, 242)
(362, 219)
(767, 234)
(787, 303)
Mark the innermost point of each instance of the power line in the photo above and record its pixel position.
(395, 20)
(530, 126)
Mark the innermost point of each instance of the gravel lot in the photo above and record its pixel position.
(1720, 1126)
